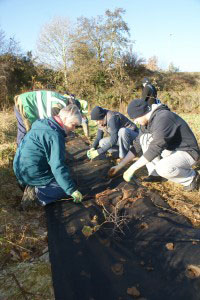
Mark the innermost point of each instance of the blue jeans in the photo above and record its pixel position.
(126, 136)
(49, 193)
(21, 130)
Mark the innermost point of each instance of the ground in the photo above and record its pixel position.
(23, 236)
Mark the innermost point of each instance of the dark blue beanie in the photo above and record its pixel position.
(98, 113)
(137, 108)
(146, 80)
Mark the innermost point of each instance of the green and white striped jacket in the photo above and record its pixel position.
(38, 105)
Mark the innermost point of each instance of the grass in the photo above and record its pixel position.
(23, 234)
(194, 121)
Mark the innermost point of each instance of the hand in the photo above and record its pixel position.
(77, 196)
(113, 171)
(128, 174)
(92, 153)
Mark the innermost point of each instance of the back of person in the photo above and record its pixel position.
(34, 154)
(167, 125)
(149, 92)
(38, 105)
(123, 121)
(35, 105)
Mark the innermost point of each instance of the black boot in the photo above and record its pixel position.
(152, 178)
(194, 185)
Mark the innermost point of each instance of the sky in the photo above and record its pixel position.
(168, 29)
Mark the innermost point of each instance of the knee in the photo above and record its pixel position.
(101, 143)
(166, 171)
(121, 132)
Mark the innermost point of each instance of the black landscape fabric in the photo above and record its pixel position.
(153, 254)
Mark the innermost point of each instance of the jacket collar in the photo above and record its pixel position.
(56, 126)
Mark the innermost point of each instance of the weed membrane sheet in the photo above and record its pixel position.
(149, 252)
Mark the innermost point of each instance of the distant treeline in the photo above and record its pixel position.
(94, 61)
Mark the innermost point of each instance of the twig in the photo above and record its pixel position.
(24, 293)
(115, 218)
(9, 242)
(19, 286)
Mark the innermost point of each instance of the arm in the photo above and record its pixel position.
(142, 161)
(129, 157)
(100, 134)
(145, 92)
(55, 149)
(163, 131)
(114, 126)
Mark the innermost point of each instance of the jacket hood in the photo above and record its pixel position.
(159, 108)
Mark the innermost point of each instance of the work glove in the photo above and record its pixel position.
(129, 173)
(88, 152)
(92, 153)
(113, 171)
(77, 196)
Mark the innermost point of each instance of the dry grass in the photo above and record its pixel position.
(23, 235)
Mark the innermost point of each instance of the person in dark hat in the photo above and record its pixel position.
(168, 145)
(120, 130)
(149, 92)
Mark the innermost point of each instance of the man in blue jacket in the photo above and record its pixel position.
(169, 147)
(40, 160)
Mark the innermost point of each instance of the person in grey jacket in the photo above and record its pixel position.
(120, 129)
(169, 148)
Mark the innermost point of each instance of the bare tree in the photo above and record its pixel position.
(152, 63)
(2, 42)
(106, 35)
(8, 45)
(53, 44)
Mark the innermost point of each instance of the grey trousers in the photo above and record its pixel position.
(126, 137)
(172, 165)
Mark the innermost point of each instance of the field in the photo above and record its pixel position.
(24, 268)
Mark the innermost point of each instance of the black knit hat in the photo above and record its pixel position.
(98, 113)
(137, 108)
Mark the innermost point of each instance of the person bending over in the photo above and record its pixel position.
(41, 104)
(149, 92)
(120, 130)
(40, 160)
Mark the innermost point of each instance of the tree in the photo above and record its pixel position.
(152, 63)
(99, 44)
(172, 68)
(2, 42)
(106, 35)
(8, 45)
(53, 44)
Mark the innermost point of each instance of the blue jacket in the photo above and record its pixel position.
(113, 121)
(41, 157)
